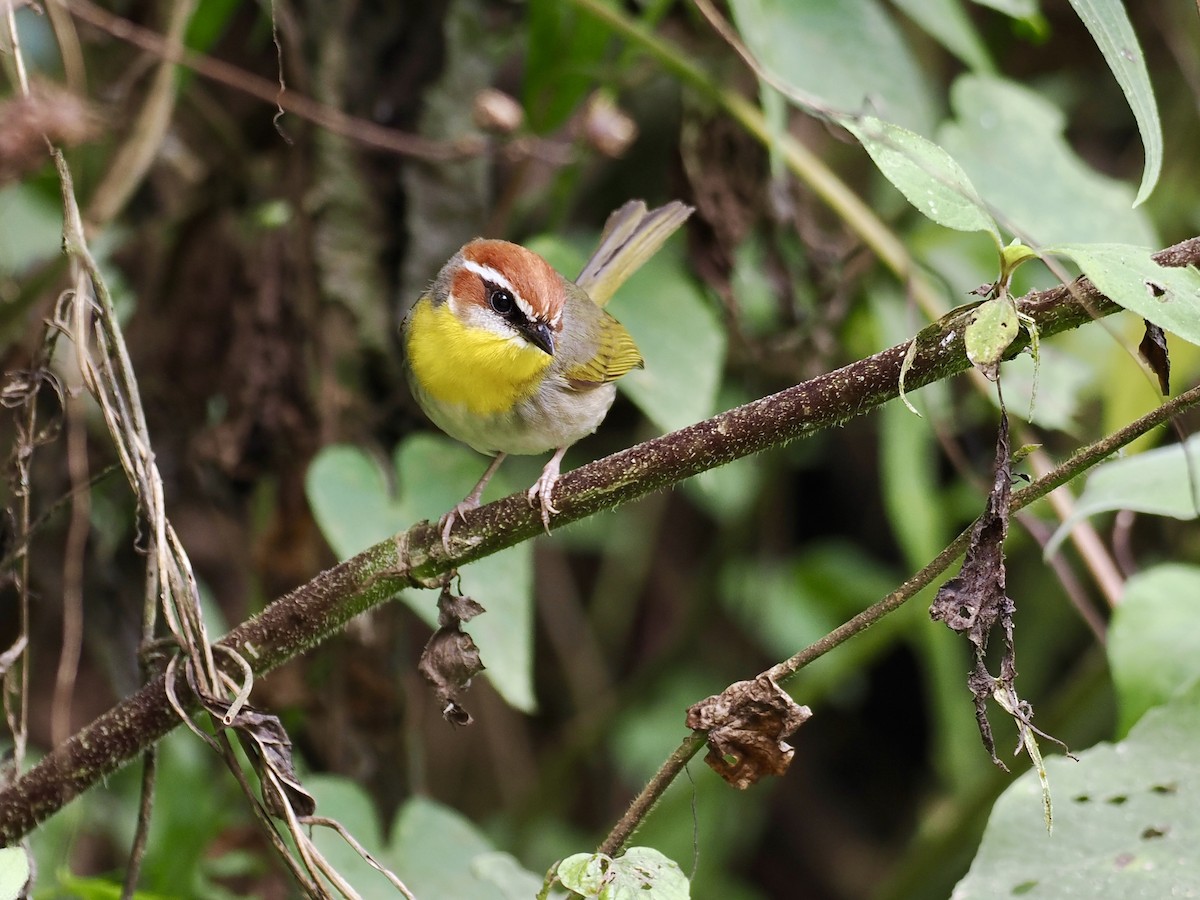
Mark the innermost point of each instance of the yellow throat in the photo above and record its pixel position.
(471, 367)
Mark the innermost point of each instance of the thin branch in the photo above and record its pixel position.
(1077, 464)
(138, 150)
(316, 610)
(334, 120)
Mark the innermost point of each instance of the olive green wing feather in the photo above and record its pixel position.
(616, 355)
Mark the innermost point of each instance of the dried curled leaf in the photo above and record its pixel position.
(746, 725)
(1153, 349)
(450, 658)
(975, 600)
(271, 751)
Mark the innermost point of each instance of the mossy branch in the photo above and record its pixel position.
(318, 609)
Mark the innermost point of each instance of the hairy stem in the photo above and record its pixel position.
(314, 611)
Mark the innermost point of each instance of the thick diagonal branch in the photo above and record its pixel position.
(320, 608)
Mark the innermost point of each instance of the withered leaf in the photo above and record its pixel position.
(454, 609)
(1153, 349)
(449, 661)
(974, 600)
(270, 750)
(746, 725)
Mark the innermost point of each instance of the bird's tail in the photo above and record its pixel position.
(631, 236)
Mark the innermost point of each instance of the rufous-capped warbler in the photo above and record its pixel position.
(508, 356)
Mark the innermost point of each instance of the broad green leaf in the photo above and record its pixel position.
(1167, 296)
(436, 852)
(948, 22)
(848, 56)
(1064, 382)
(1126, 819)
(1010, 142)
(1154, 638)
(641, 873)
(681, 339)
(14, 872)
(355, 508)
(1161, 482)
(1114, 35)
(30, 228)
(440, 855)
(351, 500)
(925, 174)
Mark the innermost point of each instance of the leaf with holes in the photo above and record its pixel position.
(1127, 825)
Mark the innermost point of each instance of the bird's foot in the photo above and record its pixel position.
(446, 522)
(542, 492)
(470, 502)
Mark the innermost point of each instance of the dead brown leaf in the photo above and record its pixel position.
(746, 725)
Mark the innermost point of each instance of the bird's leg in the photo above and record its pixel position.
(543, 488)
(471, 501)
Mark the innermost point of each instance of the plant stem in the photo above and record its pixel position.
(314, 611)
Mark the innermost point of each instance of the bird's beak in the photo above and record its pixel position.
(540, 335)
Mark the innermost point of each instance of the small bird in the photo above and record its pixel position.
(506, 355)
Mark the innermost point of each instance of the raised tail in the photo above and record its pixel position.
(631, 236)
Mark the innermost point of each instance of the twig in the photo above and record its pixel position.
(132, 160)
(362, 130)
(316, 610)
(1078, 463)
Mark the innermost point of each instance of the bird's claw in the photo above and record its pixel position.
(541, 495)
(446, 522)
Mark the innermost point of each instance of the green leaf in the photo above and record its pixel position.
(1012, 257)
(440, 855)
(925, 174)
(948, 22)
(1161, 482)
(1154, 639)
(355, 508)
(30, 228)
(1017, 9)
(1010, 142)
(562, 54)
(435, 851)
(351, 500)
(681, 339)
(642, 873)
(846, 55)
(14, 871)
(1126, 820)
(1064, 384)
(1167, 296)
(1114, 35)
(993, 326)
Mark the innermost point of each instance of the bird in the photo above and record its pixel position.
(509, 357)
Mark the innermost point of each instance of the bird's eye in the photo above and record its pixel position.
(502, 301)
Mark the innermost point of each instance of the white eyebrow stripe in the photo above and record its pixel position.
(487, 273)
